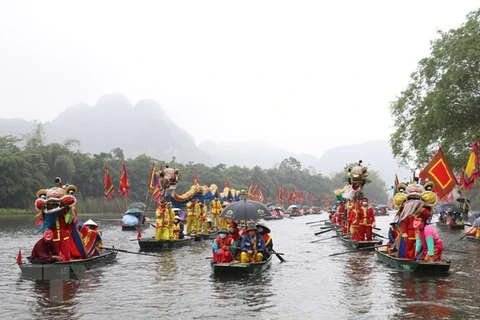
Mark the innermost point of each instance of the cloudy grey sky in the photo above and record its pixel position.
(301, 74)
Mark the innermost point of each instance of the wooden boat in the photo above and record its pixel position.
(473, 239)
(72, 269)
(210, 236)
(408, 265)
(150, 244)
(359, 244)
(453, 226)
(236, 268)
(136, 227)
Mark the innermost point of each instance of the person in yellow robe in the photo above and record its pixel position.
(202, 225)
(215, 210)
(193, 211)
(169, 218)
(161, 226)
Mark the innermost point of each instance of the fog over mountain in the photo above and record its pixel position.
(145, 128)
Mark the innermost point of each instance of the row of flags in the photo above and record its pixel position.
(124, 186)
(294, 196)
(438, 171)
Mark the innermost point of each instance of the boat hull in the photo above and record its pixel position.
(66, 270)
(134, 228)
(210, 236)
(407, 265)
(354, 244)
(240, 268)
(151, 244)
(453, 227)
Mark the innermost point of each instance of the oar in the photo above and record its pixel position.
(312, 222)
(278, 254)
(317, 233)
(125, 251)
(379, 235)
(326, 227)
(324, 239)
(377, 229)
(366, 248)
(466, 234)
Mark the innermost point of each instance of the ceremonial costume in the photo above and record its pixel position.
(161, 227)
(215, 210)
(223, 247)
(193, 211)
(369, 221)
(202, 225)
(428, 243)
(57, 213)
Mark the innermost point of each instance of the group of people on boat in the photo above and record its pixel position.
(252, 244)
(451, 217)
(356, 218)
(48, 250)
(169, 225)
(198, 221)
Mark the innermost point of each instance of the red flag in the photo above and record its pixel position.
(441, 174)
(19, 256)
(227, 184)
(139, 234)
(107, 181)
(124, 187)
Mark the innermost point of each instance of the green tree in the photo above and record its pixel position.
(440, 105)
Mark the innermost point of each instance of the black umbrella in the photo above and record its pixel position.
(245, 210)
(461, 199)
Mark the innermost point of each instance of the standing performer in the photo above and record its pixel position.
(193, 211)
(369, 221)
(202, 225)
(215, 210)
(169, 219)
(161, 227)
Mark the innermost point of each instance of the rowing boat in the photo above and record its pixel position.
(453, 226)
(355, 244)
(240, 268)
(150, 244)
(66, 270)
(210, 236)
(408, 265)
(135, 227)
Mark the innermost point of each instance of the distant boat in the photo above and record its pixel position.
(134, 218)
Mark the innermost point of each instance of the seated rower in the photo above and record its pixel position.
(264, 231)
(223, 247)
(428, 243)
(44, 251)
(392, 237)
(252, 245)
(178, 227)
(91, 239)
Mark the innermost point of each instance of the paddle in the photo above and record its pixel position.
(312, 222)
(366, 248)
(125, 251)
(317, 233)
(375, 228)
(326, 227)
(278, 254)
(379, 235)
(324, 239)
(466, 234)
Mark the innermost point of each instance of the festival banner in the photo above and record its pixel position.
(124, 187)
(471, 171)
(108, 185)
(153, 180)
(441, 174)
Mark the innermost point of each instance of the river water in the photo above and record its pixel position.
(179, 284)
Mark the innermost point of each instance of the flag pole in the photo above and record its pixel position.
(118, 202)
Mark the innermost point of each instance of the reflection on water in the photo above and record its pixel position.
(180, 284)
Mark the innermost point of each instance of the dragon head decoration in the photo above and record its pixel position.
(413, 197)
(54, 202)
(356, 178)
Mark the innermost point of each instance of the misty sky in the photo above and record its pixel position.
(299, 74)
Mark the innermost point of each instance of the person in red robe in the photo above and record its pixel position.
(369, 221)
(44, 251)
(223, 247)
(340, 214)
